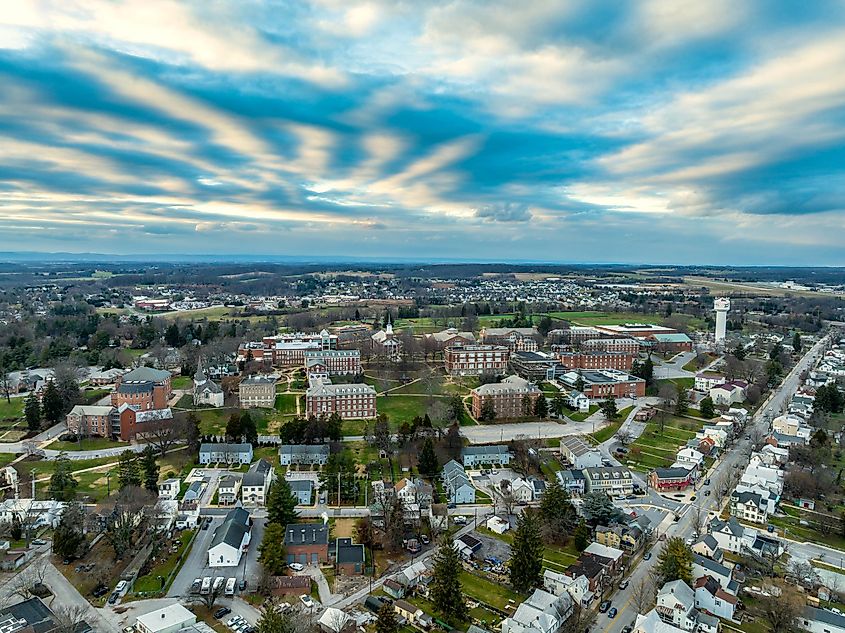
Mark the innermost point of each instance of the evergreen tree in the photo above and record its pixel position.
(609, 408)
(234, 429)
(557, 514)
(675, 561)
(68, 537)
(62, 482)
(272, 549)
(387, 619)
(273, 620)
(150, 469)
(334, 427)
(526, 562)
(796, 343)
(541, 407)
(582, 536)
(599, 509)
(681, 401)
(488, 410)
(579, 382)
(428, 464)
(706, 407)
(281, 504)
(32, 411)
(51, 404)
(446, 591)
(249, 431)
(128, 472)
(193, 434)
(558, 404)
(527, 405)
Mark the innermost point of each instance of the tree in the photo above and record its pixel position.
(150, 469)
(129, 516)
(67, 385)
(381, 433)
(456, 408)
(51, 404)
(558, 404)
(643, 595)
(273, 620)
(582, 536)
(446, 591)
(527, 405)
(281, 503)
(541, 407)
(128, 472)
(192, 432)
(428, 464)
(387, 619)
(675, 562)
(334, 427)
(526, 561)
(272, 549)
(599, 509)
(796, 343)
(557, 515)
(609, 408)
(365, 534)
(782, 607)
(68, 538)
(579, 382)
(32, 411)
(706, 407)
(681, 400)
(234, 428)
(62, 482)
(339, 471)
(488, 410)
(624, 436)
(249, 431)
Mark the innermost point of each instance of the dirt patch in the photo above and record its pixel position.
(491, 547)
(344, 527)
(97, 567)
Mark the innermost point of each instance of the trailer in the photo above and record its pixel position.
(206, 586)
(230, 587)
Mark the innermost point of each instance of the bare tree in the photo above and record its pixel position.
(643, 595)
(503, 498)
(624, 436)
(165, 433)
(26, 583)
(781, 607)
(581, 620)
(208, 599)
(68, 617)
(698, 518)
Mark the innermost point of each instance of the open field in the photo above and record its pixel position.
(181, 382)
(402, 408)
(86, 444)
(11, 410)
(657, 449)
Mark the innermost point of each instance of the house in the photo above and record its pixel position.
(612, 480)
(676, 605)
(257, 391)
(348, 557)
(307, 543)
(303, 490)
(707, 546)
(256, 483)
(728, 393)
(542, 612)
(788, 424)
(416, 491)
(710, 597)
(206, 392)
(169, 619)
(702, 566)
(749, 506)
(521, 491)
(228, 488)
(194, 490)
(303, 454)
(628, 537)
(497, 524)
(169, 489)
(705, 381)
(393, 589)
(821, 621)
(230, 540)
(611, 554)
(38, 514)
(577, 400)
(729, 535)
(689, 458)
(717, 435)
(652, 623)
(335, 621)
(407, 611)
(671, 478)
(473, 456)
(538, 486)
(225, 454)
(438, 516)
(578, 588)
(573, 481)
(412, 575)
(576, 450)
(457, 484)
(593, 568)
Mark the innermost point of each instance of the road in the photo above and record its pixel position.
(674, 367)
(683, 528)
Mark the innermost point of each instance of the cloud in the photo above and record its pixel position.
(504, 212)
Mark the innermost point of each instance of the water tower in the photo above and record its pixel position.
(721, 305)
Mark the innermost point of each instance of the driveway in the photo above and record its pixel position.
(488, 433)
(196, 565)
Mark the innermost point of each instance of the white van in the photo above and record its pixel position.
(230, 587)
(121, 586)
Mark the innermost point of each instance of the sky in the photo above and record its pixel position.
(572, 131)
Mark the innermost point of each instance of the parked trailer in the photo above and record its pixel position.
(206, 586)
(230, 587)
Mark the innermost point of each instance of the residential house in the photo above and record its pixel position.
(749, 506)
(689, 458)
(256, 483)
(612, 554)
(573, 481)
(393, 589)
(578, 588)
(438, 516)
(706, 545)
(577, 400)
(676, 478)
(334, 620)
(703, 566)
(307, 543)
(474, 456)
(457, 484)
(593, 568)
(414, 491)
(168, 619)
(407, 611)
(821, 621)
(230, 540)
(194, 490)
(711, 598)
(412, 575)
(228, 488)
(576, 450)
(729, 535)
(225, 454)
(169, 489)
(676, 605)
(348, 557)
(300, 454)
(612, 480)
(542, 612)
(788, 424)
(705, 381)
(522, 491)
(303, 490)
(728, 393)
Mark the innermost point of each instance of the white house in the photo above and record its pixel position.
(476, 455)
(821, 621)
(38, 513)
(522, 491)
(256, 483)
(543, 612)
(558, 584)
(702, 566)
(228, 488)
(676, 604)
(578, 401)
(303, 454)
(230, 540)
(710, 597)
(169, 619)
(225, 453)
(457, 484)
(690, 457)
(728, 393)
(749, 506)
(706, 381)
(169, 489)
(497, 524)
(730, 534)
(579, 452)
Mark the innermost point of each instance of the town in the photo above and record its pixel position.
(542, 456)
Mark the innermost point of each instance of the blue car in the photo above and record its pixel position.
(612, 613)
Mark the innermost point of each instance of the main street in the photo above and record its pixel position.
(684, 527)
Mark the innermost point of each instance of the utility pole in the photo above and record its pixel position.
(32, 477)
(338, 490)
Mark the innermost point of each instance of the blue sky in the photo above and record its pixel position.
(652, 131)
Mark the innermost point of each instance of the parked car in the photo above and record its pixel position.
(647, 556)
(770, 528)
(612, 613)
(627, 629)
(425, 540)
(241, 585)
(39, 541)
(307, 601)
(707, 493)
(623, 584)
(113, 598)
(100, 591)
(296, 566)
(222, 611)
(459, 520)
(604, 606)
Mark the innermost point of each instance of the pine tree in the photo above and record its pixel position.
(557, 514)
(32, 410)
(706, 407)
(249, 431)
(273, 620)
(428, 464)
(796, 343)
(675, 561)
(582, 536)
(62, 482)
(387, 619)
(488, 410)
(558, 404)
(234, 429)
(51, 404)
(541, 407)
(526, 562)
(150, 469)
(682, 401)
(446, 590)
(609, 408)
(193, 434)
(272, 549)
(128, 472)
(68, 537)
(281, 504)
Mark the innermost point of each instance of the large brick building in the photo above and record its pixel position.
(257, 391)
(287, 350)
(516, 339)
(450, 338)
(142, 389)
(622, 361)
(307, 543)
(599, 384)
(333, 362)
(611, 344)
(350, 401)
(509, 397)
(91, 420)
(139, 423)
(474, 360)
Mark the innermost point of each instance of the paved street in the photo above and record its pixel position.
(196, 566)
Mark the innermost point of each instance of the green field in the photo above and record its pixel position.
(488, 592)
(181, 382)
(86, 444)
(580, 416)
(657, 449)
(12, 410)
(286, 403)
(213, 421)
(403, 408)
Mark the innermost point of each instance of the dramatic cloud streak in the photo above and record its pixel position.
(576, 130)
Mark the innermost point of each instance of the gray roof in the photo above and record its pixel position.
(681, 590)
(301, 485)
(257, 473)
(225, 448)
(600, 473)
(577, 445)
(498, 449)
(147, 373)
(747, 496)
(733, 525)
(348, 552)
(304, 449)
(307, 533)
(823, 615)
(709, 541)
(671, 473)
(233, 529)
(711, 565)
(135, 386)
(258, 379)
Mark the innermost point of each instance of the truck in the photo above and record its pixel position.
(206, 586)
(218, 583)
(230, 587)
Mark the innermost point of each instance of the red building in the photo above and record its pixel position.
(600, 383)
(334, 362)
(674, 478)
(350, 401)
(143, 388)
(474, 360)
(139, 423)
(307, 543)
(622, 361)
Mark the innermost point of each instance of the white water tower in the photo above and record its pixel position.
(721, 305)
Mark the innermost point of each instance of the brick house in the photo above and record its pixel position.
(307, 543)
(675, 478)
(348, 557)
(350, 401)
(91, 420)
(474, 360)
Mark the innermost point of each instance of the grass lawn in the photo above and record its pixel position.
(181, 382)
(401, 408)
(213, 421)
(593, 317)
(488, 592)
(86, 444)
(604, 434)
(580, 416)
(286, 403)
(164, 566)
(11, 410)
(556, 557)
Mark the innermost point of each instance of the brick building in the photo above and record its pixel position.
(474, 360)
(507, 397)
(450, 338)
(138, 423)
(599, 384)
(612, 344)
(257, 391)
(674, 478)
(307, 543)
(622, 361)
(287, 350)
(91, 420)
(670, 343)
(143, 388)
(350, 401)
(516, 339)
(333, 362)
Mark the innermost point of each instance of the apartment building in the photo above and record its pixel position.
(350, 401)
(91, 420)
(474, 360)
(257, 391)
(518, 339)
(622, 361)
(611, 344)
(333, 362)
(143, 388)
(135, 423)
(512, 398)
(613, 480)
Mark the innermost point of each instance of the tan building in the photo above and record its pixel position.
(507, 397)
(257, 391)
(474, 360)
(517, 339)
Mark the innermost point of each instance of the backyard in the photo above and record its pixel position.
(163, 570)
